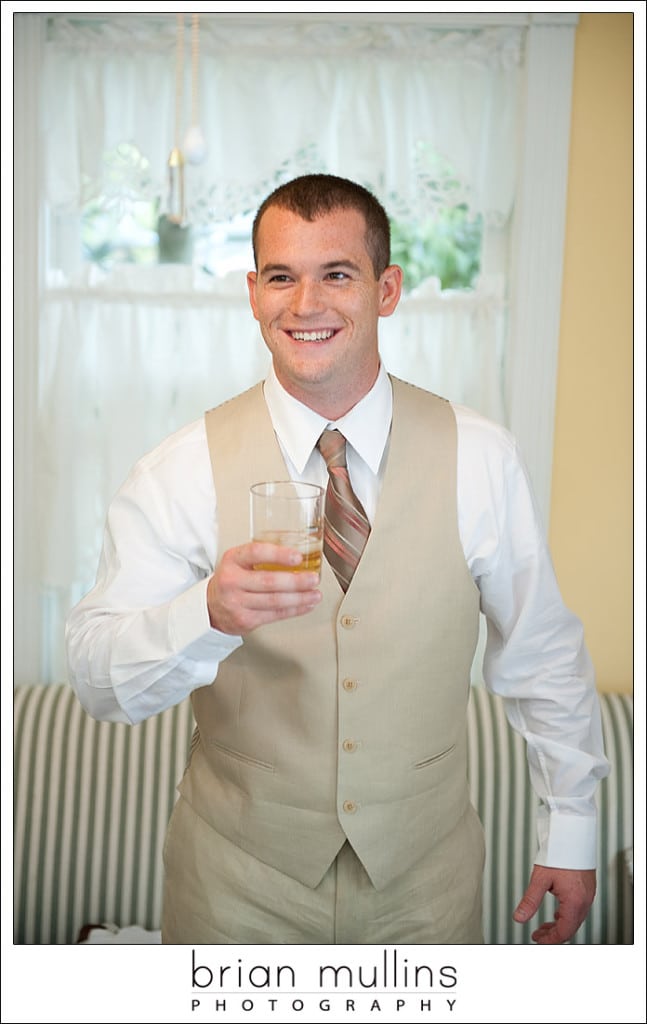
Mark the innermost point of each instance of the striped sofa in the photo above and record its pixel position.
(92, 800)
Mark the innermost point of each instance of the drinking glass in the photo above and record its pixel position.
(289, 513)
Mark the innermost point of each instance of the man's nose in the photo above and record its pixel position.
(307, 298)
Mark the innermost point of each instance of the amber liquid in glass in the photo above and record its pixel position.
(308, 544)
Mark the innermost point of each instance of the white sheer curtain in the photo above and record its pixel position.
(384, 103)
(425, 117)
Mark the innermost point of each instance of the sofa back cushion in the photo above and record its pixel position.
(91, 805)
(92, 801)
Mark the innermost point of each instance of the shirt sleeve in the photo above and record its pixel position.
(535, 655)
(141, 640)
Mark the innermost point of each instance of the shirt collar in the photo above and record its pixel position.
(366, 427)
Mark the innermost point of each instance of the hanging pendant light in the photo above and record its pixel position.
(175, 239)
(195, 146)
(175, 199)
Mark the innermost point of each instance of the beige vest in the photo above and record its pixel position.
(348, 723)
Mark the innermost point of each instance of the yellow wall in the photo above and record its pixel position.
(591, 532)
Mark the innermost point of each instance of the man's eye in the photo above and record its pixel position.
(279, 278)
(337, 275)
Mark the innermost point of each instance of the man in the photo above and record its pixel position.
(326, 800)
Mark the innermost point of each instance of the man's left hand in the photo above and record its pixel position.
(574, 892)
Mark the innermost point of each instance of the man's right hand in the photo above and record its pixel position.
(240, 598)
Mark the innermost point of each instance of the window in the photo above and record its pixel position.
(127, 226)
(446, 248)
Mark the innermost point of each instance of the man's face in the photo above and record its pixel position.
(317, 302)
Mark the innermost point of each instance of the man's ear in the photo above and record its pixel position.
(390, 289)
(251, 287)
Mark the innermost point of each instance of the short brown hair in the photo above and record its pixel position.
(313, 195)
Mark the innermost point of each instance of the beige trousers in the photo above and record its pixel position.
(215, 893)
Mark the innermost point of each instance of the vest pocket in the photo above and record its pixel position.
(238, 755)
(427, 761)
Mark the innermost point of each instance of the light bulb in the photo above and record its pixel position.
(195, 146)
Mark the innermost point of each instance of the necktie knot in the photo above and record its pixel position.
(332, 445)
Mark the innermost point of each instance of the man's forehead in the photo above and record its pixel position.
(342, 230)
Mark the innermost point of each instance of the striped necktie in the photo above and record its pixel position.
(346, 527)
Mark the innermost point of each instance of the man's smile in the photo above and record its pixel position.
(321, 335)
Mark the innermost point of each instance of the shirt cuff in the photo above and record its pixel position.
(191, 632)
(567, 841)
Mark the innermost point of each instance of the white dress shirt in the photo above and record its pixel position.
(141, 640)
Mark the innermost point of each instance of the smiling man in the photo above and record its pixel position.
(318, 294)
(326, 796)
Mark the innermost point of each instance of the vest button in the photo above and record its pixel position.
(349, 746)
(348, 621)
(349, 806)
(349, 684)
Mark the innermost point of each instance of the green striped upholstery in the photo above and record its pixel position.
(92, 800)
(91, 805)
(501, 792)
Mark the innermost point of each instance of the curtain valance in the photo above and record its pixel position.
(273, 104)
